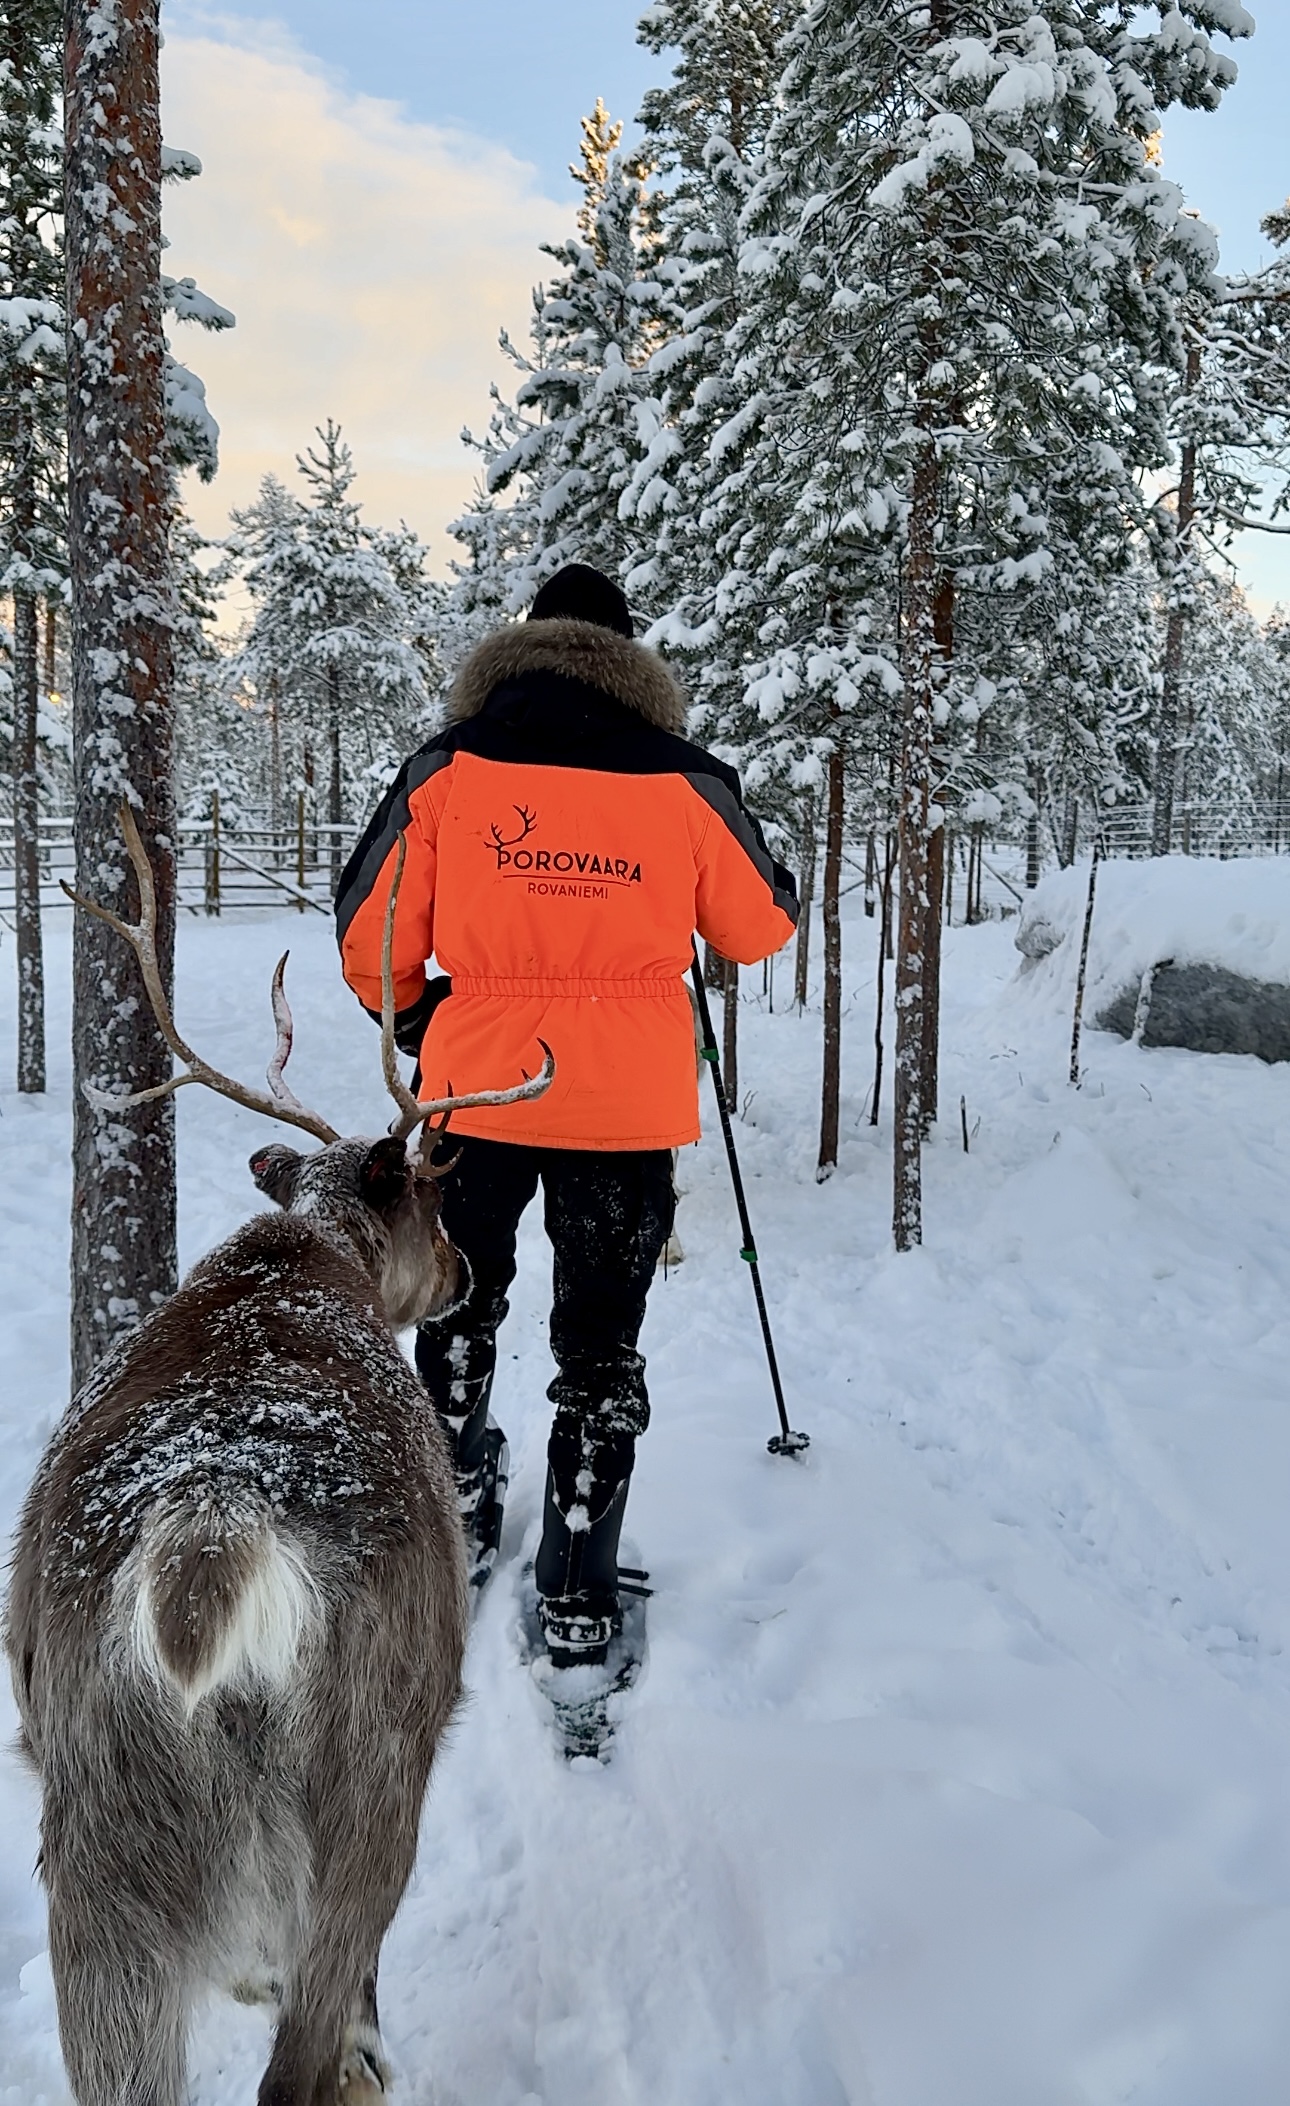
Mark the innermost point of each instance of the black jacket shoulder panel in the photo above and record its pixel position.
(386, 824)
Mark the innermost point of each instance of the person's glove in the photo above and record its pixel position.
(410, 1024)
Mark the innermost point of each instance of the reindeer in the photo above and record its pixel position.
(238, 1608)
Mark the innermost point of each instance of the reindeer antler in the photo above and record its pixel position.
(280, 1102)
(440, 1109)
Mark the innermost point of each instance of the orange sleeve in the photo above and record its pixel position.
(364, 935)
(745, 902)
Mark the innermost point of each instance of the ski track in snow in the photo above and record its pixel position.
(957, 1772)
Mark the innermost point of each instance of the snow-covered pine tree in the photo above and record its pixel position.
(704, 131)
(340, 635)
(1232, 442)
(559, 457)
(958, 235)
(33, 548)
(213, 753)
(191, 430)
(1231, 718)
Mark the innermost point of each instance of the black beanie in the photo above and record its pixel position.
(580, 594)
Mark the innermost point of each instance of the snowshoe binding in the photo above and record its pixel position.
(481, 1500)
(585, 1620)
(584, 1653)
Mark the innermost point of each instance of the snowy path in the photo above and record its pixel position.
(958, 1775)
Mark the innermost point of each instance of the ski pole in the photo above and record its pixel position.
(785, 1442)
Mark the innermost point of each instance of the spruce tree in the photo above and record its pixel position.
(1232, 446)
(559, 456)
(340, 635)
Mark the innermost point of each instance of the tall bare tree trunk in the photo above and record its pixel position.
(275, 755)
(915, 801)
(802, 954)
(943, 637)
(123, 1205)
(884, 953)
(730, 1034)
(831, 1083)
(1032, 827)
(1070, 832)
(51, 648)
(1162, 820)
(333, 780)
(26, 846)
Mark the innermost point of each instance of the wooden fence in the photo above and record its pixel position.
(222, 868)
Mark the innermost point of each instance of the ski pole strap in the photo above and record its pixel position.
(785, 1442)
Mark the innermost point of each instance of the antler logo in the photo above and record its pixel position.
(504, 843)
(514, 860)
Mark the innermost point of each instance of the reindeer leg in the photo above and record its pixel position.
(366, 1811)
(122, 2016)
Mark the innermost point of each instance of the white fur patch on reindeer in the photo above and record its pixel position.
(243, 1627)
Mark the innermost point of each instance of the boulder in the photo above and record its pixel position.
(1208, 1009)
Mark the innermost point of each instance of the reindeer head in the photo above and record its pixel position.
(382, 1196)
(370, 1194)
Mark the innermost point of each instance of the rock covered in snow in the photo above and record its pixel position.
(1207, 1009)
(1214, 937)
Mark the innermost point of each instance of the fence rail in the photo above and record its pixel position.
(255, 866)
(1261, 828)
(221, 868)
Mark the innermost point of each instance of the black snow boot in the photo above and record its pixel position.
(587, 1480)
(481, 1500)
(461, 1368)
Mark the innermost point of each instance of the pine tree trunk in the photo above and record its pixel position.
(929, 1082)
(884, 954)
(1070, 832)
(1162, 821)
(51, 647)
(802, 954)
(333, 783)
(275, 756)
(831, 1083)
(915, 800)
(123, 1205)
(943, 638)
(26, 846)
(730, 1035)
(1032, 840)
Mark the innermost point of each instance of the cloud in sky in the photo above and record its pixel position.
(370, 260)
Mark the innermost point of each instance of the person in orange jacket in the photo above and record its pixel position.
(564, 843)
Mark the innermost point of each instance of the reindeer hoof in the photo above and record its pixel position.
(671, 1254)
(365, 2075)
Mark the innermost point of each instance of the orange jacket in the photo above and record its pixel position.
(564, 843)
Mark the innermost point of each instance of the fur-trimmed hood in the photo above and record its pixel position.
(625, 670)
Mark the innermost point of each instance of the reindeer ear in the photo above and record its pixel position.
(384, 1174)
(274, 1170)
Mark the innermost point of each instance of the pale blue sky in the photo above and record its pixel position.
(519, 76)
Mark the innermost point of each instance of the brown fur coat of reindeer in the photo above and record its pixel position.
(237, 1617)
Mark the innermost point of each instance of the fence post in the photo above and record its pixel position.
(300, 849)
(212, 858)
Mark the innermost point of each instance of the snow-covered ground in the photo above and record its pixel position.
(959, 1774)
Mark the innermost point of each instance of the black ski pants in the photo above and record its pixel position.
(608, 1214)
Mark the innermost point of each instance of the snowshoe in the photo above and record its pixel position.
(481, 1500)
(583, 1657)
